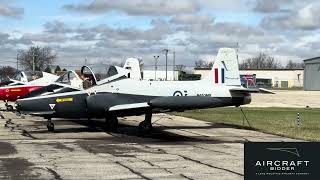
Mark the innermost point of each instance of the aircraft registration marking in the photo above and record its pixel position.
(60, 100)
(208, 95)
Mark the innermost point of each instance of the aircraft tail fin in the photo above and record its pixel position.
(133, 66)
(225, 70)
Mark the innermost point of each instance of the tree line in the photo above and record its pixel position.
(261, 61)
(35, 58)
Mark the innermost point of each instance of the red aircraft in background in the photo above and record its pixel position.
(22, 83)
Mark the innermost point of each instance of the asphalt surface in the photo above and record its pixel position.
(178, 148)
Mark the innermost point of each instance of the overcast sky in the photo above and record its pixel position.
(112, 30)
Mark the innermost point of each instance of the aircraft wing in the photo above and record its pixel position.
(172, 102)
(40, 113)
(52, 88)
(128, 106)
(258, 90)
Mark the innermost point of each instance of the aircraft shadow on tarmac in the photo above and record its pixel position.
(130, 133)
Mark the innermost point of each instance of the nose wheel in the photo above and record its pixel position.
(50, 125)
(8, 107)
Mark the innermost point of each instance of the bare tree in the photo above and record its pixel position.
(7, 71)
(203, 64)
(39, 57)
(180, 67)
(262, 61)
(294, 65)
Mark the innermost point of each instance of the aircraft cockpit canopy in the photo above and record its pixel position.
(67, 77)
(112, 71)
(32, 75)
(18, 76)
(88, 75)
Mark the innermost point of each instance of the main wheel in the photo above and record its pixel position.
(145, 127)
(111, 123)
(50, 127)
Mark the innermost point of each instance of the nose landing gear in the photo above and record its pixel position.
(50, 125)
(9, 107)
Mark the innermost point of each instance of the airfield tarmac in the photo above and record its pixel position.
(178, 148)
(286, 98)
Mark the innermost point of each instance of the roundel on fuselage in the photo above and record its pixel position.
(177, 93)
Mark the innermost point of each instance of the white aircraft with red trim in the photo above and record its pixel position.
(23, 83)
(119, 96)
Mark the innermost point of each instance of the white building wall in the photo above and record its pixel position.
(160, 75)
(294, 77)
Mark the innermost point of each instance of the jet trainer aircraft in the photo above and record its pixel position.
(118, 96)
(22, 83)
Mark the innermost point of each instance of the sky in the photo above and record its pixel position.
(109, 31)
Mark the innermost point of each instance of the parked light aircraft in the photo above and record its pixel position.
(118, 96)
(22, 83)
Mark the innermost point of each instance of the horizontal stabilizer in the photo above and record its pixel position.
(128, 106)
(265, 91)
(258, 90)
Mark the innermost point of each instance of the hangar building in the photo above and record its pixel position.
(267, 78)
(312, 74)
(160, 75)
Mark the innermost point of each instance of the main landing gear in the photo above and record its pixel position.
(145, 126)
(9, 107)
(50, 125)
(111, 123)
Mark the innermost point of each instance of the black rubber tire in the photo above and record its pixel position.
(9, 108)
(50, 127)
(145, 128)
(111, 123)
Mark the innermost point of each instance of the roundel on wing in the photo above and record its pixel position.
(177, 93)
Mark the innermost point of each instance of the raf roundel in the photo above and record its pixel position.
(177, 93)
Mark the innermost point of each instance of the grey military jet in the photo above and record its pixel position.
(120, 95)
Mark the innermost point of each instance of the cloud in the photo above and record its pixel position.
(300, 17)
(8, 11)
(7, 40)
(267, 6)
(225, 5)
(137, 7)
(192, 19)
(56, 27)
(287, 31)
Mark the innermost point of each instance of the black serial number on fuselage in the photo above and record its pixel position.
(204, 95)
